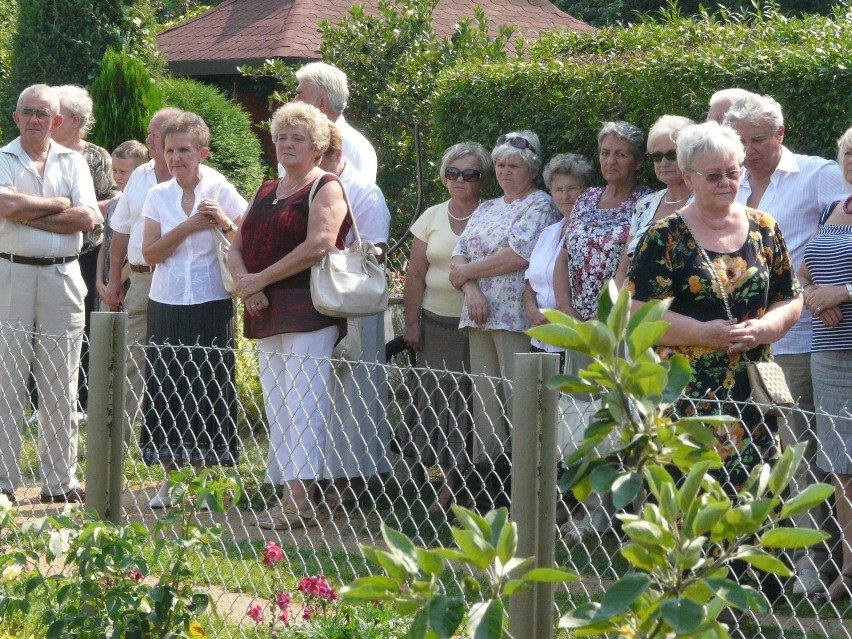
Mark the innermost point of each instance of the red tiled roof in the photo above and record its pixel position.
(241, 32)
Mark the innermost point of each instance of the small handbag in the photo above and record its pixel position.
(769, 389)
(221, 245)
(349, 282)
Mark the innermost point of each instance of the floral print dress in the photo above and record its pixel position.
(594, 241)
(668, 264)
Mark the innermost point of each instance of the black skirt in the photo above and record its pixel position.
(191, 406)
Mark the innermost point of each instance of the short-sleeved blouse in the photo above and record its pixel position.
(643, 217)
(190, 275)
(829, 259)
(433, 229)
(272, 229)
(496, 225)
(594, 241)
(668, 264)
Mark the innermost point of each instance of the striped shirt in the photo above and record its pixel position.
(829, 259)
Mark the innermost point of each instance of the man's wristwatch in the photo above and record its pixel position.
(231, 227)
(849, 290)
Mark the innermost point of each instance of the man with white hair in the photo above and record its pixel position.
(721, 101)
(794, 189)
(47, 202)
(325, 87)
(358, 433)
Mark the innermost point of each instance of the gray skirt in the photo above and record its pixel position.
(437, 425)
(832, 378)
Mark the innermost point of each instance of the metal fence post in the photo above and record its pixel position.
(534, 487)
(105, 429)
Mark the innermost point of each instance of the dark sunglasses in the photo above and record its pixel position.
(516, 141)
(657, 156)
(714, 178)
(468, 175)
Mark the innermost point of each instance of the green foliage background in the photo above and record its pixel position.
(234, 148)
(124, 96)
(570, 83)
(605, 12)
(62, 42)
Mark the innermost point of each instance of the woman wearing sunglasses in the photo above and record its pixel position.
(662, 149)
(438, 422)
(733, 292)
(488, 267)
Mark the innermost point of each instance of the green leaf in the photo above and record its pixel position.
(619, 313)
(476, 550)
(419, 625)
(690, 486)
(640, 557)
(430, 563)
(561, 336)
(599, 338)
(728, 591)
(763, 561)
(625, 489)
(486, 619)
(550, 575)
(622, 594)
(496, 520)
(645, 336)
(513, 586)
(606, 300)
(397, 541)
(680, 372)
(698, 431)
(683, 615)
(649, 312)
(786, 466)
(708, 516)
(602, 477)
(446, 614)
(792, 538)
(507, 544)
(806, 499)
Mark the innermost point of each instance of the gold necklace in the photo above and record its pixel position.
(288, 192)
(188, 201)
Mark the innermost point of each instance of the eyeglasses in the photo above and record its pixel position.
(516, 141)
(715, 178)
(658, 156)
(567, 190)
(468, 175)
(40, 114)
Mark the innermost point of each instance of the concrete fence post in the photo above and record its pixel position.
(534, 417)
(106, 419)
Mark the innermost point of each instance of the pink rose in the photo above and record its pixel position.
(255, 612)
(272, 554)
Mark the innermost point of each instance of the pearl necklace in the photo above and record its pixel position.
(466, 217)
(666, 200)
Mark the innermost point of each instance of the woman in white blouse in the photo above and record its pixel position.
(191, 409)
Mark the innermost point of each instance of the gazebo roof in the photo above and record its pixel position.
(239, 32)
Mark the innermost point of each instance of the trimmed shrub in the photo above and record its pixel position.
(571, 83)
(63, 42)
(124, 97)
(234, 148)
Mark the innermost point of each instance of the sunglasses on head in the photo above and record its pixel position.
(468, 175)
(715, 178)
(516, 141)
(658, 156)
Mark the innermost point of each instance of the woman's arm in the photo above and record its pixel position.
(562, 285)
(774, 324)
(156, 247)
(531, 310)
(412, 294)
(687, 331)
(325, 217)
(623, 263)
(503, 261)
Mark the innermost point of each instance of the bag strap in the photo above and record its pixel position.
(345, 198)
(715, 274)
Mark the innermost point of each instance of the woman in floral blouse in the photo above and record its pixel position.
(488, 267)
(749, 259)
(597, 230)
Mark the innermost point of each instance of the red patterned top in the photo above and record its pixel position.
(271, 231)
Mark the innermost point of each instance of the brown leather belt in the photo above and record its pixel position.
(141, 268)
(37, 261)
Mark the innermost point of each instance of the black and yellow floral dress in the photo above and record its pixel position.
(667, 264)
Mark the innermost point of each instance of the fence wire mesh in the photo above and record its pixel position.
(382, 441)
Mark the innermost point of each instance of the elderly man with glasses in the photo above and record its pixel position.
(47, 202)
(794, 189)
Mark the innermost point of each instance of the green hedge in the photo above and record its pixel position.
(234, 147)
(570, 83)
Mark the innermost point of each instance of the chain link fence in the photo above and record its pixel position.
(397, 436)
